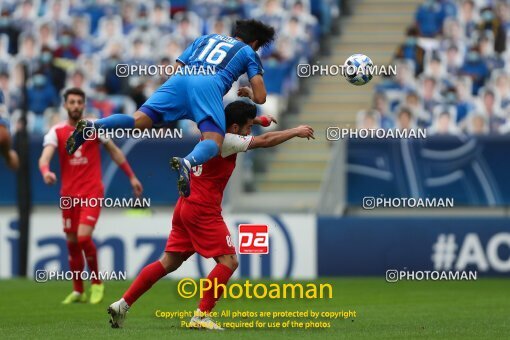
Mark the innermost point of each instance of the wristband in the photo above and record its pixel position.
(127, 169)
(44, 169)
(264, 121)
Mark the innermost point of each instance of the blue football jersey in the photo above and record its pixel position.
(229, 57)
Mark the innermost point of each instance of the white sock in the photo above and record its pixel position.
(200, 314)
(188, 164)
(123, 304)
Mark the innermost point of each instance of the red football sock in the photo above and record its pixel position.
(89, 248)
(222, 274)
(148, 276)
(76, 263)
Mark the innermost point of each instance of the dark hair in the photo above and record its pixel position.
(432, 79)
(412, 94)
(453, 47)
(254, 30)
(46, 48)
(405, 110)
(239, 112)
(412, 31)
(74, 90)
(489, 93)
(445, 112)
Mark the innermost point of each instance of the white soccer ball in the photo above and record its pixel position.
(358, 69)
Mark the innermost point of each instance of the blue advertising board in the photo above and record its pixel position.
(372, 246)
(472, 171)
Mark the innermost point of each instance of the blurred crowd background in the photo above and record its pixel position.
(453, 72)
(452, 68)
(53, 44)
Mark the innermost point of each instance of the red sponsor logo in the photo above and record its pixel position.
(253, 239)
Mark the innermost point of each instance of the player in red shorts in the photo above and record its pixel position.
(197, 224)
(81, 178)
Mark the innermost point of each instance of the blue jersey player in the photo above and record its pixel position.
(199, 96)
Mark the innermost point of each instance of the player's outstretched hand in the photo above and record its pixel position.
(271, 118)
(137, 186)
(50, 178)
(265, 120)
(245, 91)
(304, 131)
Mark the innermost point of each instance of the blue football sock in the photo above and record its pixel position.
(203, 151)
(115, 121)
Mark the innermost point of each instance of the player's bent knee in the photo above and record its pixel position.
(229, 261)
(171, 261)
(166, 261)
(72, 237)
(234, 263)
(215, 137)
(85, 230)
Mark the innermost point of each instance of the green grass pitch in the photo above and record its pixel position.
(470, 309)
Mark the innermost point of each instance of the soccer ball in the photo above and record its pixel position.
(358, 69)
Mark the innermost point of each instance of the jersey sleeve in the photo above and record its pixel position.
(51, 138)
(233, 144)
(188, 52)
(254, 66)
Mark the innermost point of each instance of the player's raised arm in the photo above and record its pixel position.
(49, 177)
(265, 120)
(257, 93)
(118, 157)
(240, 116)
(259, 89)
(274, 138)
(255, 34)
(50, 143)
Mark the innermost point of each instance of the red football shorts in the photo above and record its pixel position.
(195, 229)
(75, 216)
